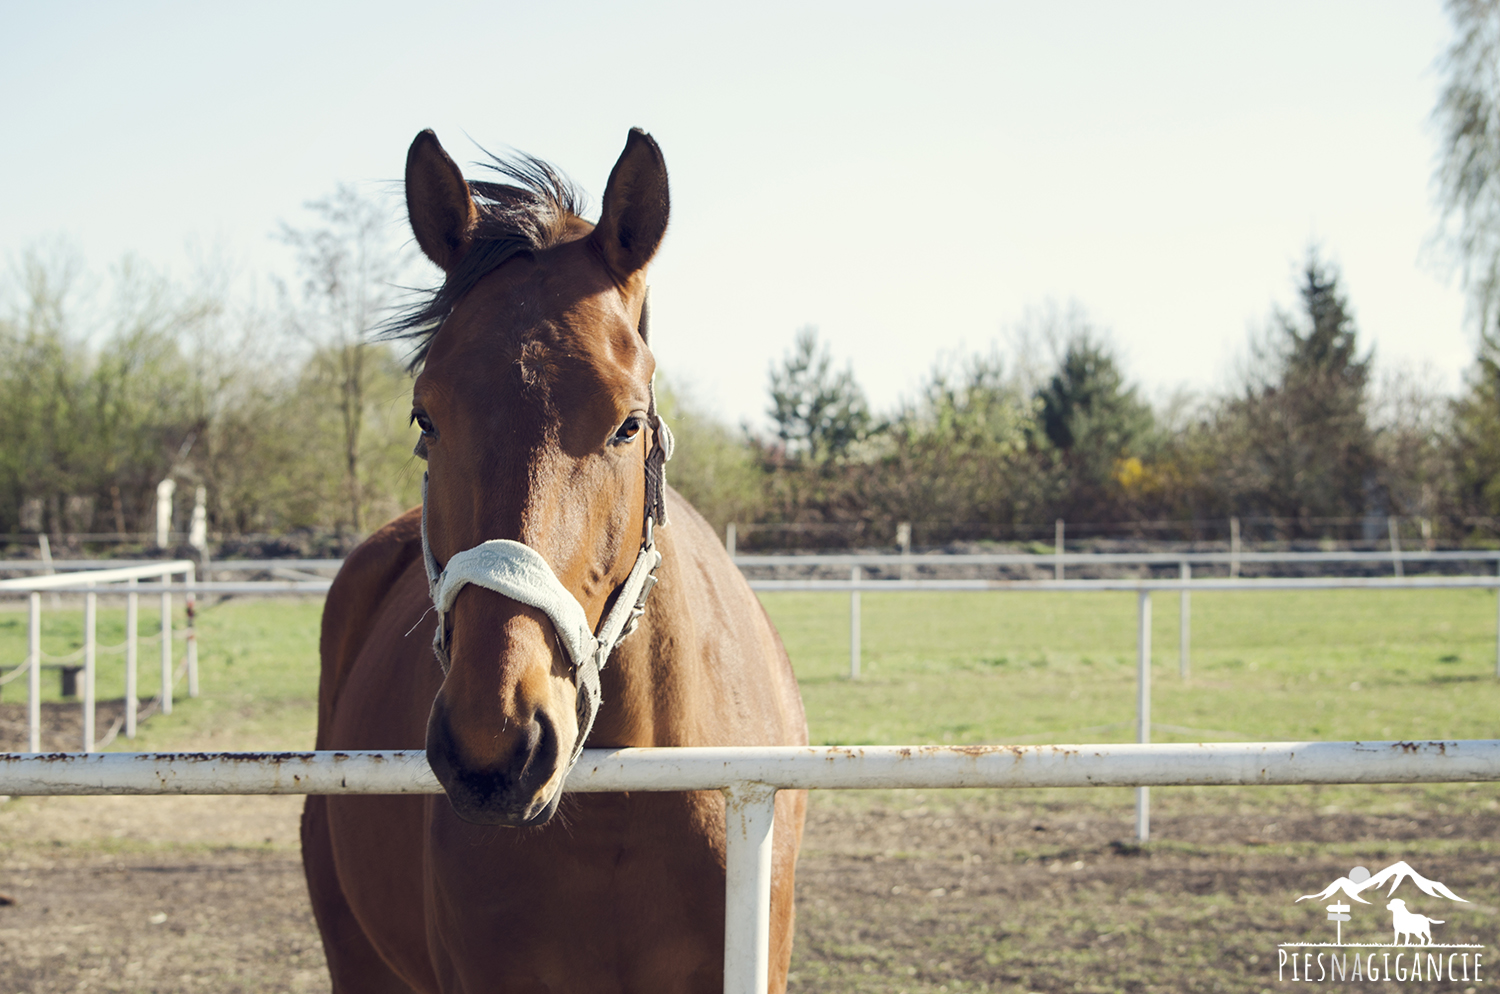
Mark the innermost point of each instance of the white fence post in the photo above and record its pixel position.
(1184, 623)
(749, 824)
(190, 603)
(1234, 547)
(1143, 706)
(903, 540)
(34, 678)
(90, 625)
(729, 539)
(166, 646)
(854, 625)
(1392, 524)
(132, 660)
(1057, 542)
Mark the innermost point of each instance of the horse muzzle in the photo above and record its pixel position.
(520, 785)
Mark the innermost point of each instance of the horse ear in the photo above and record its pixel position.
(438, 202)
(636, 205)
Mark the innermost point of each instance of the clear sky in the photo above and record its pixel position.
(908, 178)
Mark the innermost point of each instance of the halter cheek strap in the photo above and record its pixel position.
(519, 572)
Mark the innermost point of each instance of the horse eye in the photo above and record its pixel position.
(422, 421)
(628, 431)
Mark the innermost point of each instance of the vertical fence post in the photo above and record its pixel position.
(729, 539)
(132, 659)
(190, 605)
(854, 577)
(1392, 524)
(1057, 541)
(34, 678)
(1143, 706)
(749, 823)
(1234, 547)
(166, 646)
(903, 539)
(90, 625)
(1185, 624)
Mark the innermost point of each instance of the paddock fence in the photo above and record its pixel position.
(301, 582)
(105, 578)
(749, 778)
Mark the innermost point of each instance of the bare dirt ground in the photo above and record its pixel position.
(895, 893)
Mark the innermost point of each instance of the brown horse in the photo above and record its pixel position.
(538, 425)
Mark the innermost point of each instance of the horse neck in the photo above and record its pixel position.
(653, 685)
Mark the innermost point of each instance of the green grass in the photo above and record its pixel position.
(1057, 667)
(949, 668)
(257, 664)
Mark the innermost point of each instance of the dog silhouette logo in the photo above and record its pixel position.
(1409, 926)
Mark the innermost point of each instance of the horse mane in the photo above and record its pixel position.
(527, 215)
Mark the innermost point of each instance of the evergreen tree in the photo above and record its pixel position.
(1097, 426)
(1297, 443)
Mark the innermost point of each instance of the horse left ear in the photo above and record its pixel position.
(438, 202)
(636, 205)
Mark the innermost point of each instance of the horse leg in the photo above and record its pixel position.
(353, 964)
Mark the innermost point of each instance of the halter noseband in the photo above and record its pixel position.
(519, 572)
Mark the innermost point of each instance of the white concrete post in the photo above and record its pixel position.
(730, 538)
(1057, 541)
(132, 658)
(749, 824)
(903, 540)
(1392, 524)
(34, 678)
(164, 491)
(190, 601)
(198, 530)
(1143, 706)
(1184, 624)
(90, 625)
(166, 646)
(854, 625)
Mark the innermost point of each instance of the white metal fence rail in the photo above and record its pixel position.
(750, 778)
(1143, 589)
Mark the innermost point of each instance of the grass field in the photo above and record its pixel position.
(954, 668)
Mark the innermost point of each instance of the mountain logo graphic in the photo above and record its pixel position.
(1411, 932)
(1360, 880)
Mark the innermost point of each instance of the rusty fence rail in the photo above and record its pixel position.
(750, 777)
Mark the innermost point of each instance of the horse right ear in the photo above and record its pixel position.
(438, 202)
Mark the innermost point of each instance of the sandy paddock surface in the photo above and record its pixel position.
(895, 893)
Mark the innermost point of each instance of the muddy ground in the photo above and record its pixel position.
(895, 893)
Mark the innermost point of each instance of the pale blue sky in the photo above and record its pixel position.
(909, 178)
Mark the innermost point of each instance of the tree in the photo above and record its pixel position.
(959, 453)
(1297, 442)
(1468, 174)
(819, 413)
(349, 269)
(1096, 423)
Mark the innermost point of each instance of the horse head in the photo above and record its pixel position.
(536, 415)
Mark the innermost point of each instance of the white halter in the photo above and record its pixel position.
(519, 572)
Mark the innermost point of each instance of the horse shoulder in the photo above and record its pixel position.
(363, 584)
